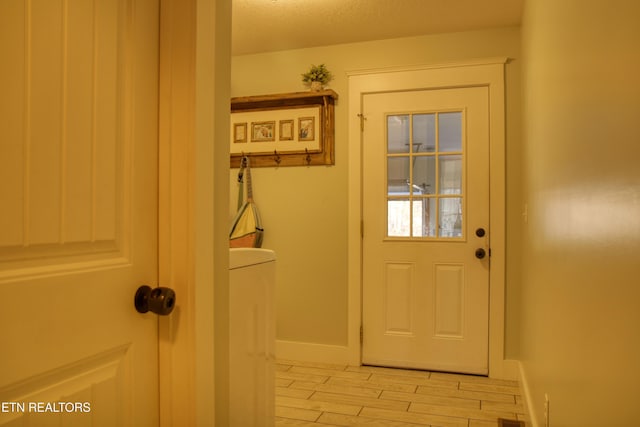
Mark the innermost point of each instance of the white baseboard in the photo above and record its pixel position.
(312, 352)
(525, 392)
(506, 369)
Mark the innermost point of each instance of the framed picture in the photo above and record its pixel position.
(286, 130)
(239, 132)
(306, 128)
(263, 131)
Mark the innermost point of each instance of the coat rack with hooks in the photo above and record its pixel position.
(289, 129)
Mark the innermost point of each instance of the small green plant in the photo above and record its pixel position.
(317, 73)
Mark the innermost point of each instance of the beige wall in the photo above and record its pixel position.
(581, 295)
(304, 209)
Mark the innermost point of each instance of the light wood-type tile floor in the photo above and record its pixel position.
(317, 395)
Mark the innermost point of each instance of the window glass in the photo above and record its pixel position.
(398, 134)
(398, 175)
(425, 160)
(450, 172)
(450, 131)
(424, 133)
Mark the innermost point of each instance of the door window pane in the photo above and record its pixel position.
(398, 134)
(424, 175)
(398, 175)
(398, 218)
(450, 215)
(450, 171)
(424, 133)
(450, 131)
(424, 218)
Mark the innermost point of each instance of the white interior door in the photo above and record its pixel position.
(78, 228)
(425, 200)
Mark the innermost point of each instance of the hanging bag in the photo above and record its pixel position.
(246, 230)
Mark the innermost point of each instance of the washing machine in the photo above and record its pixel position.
(252, 337)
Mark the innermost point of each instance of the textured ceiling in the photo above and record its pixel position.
(269, 25)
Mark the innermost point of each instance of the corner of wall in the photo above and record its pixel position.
(525, 393)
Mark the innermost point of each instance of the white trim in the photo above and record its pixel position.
(193, 210)
(525, 392)
(311, 352)
(489, 73)
(396, 69)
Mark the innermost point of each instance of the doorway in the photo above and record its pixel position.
(425, 189)
(487, 74)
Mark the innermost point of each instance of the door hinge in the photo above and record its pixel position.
(361, 228)
(361, 335)
(362, 119)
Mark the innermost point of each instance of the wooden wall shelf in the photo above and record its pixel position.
(289, 129)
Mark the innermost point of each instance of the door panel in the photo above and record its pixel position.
(449, 304)
(399, 290)
(79, 232)
(425, 190)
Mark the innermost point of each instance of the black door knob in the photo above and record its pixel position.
(156, 300)
(480, 253)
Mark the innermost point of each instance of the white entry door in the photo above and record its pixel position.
(78, 219)
(425, 229)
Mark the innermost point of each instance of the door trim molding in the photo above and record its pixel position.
(488, 73)
(194, 93)
(176, 341)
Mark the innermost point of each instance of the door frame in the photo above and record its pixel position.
(194, 111)
(488, 73)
